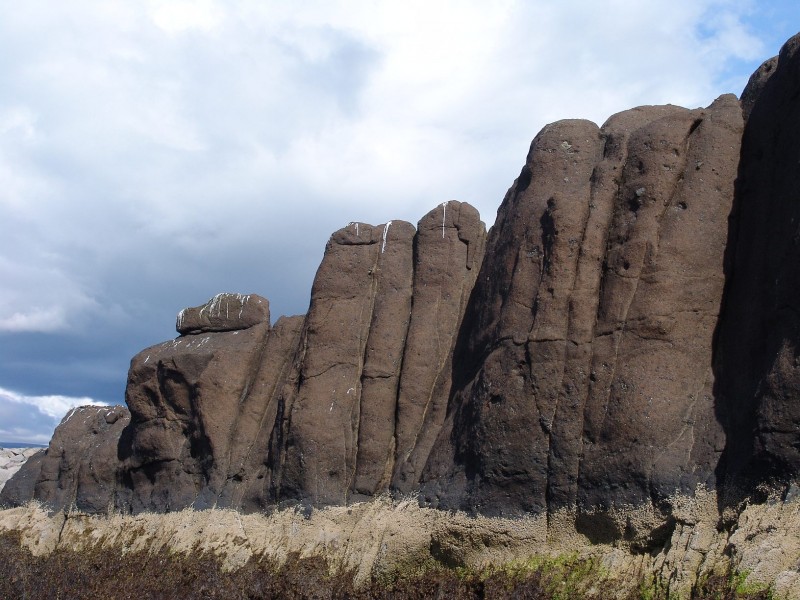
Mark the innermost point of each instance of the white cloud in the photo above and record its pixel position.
(181, 16)
(53, 406)
(37, 319)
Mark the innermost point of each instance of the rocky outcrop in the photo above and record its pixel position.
(345, 402)
(587, 375)
(625, 335)
(373, 371)
(81, 466)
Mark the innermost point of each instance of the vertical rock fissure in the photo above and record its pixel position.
(287, 408)
(569, 340)
(273, 396)
(362, 359)
(439, 366)
(396, 459)
(605, 228)
(256, 365)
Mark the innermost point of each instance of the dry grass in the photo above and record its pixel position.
(116, 575)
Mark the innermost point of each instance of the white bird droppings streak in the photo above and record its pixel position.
(444, 215)
(69, 415)
(385, 235)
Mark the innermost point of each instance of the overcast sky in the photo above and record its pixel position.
(154, 153)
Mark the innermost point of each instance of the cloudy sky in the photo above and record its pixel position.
(154, 153)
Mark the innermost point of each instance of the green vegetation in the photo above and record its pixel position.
(732, 586)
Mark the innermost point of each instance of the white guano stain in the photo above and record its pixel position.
(69, 415)
(385, 235)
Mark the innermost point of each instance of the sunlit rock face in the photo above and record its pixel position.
(586, 378)
(624, 335)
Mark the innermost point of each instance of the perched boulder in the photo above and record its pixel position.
(224, 312)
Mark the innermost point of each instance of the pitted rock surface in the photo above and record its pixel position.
(593, 319)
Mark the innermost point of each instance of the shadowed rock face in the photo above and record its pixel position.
(758, 361)
(184, 397)
(580, 357)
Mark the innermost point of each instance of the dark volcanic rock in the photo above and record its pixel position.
(80, 468)
(449, 250)
(587, 374)
(22, 486)
(185, 396)
(384, 297)
(257, 437)
(582, 357)
(323, 434)
(224, 312)
(758, 364)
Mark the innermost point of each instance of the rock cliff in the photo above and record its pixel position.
(624, 336)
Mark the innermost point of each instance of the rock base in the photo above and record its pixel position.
(386, 540)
